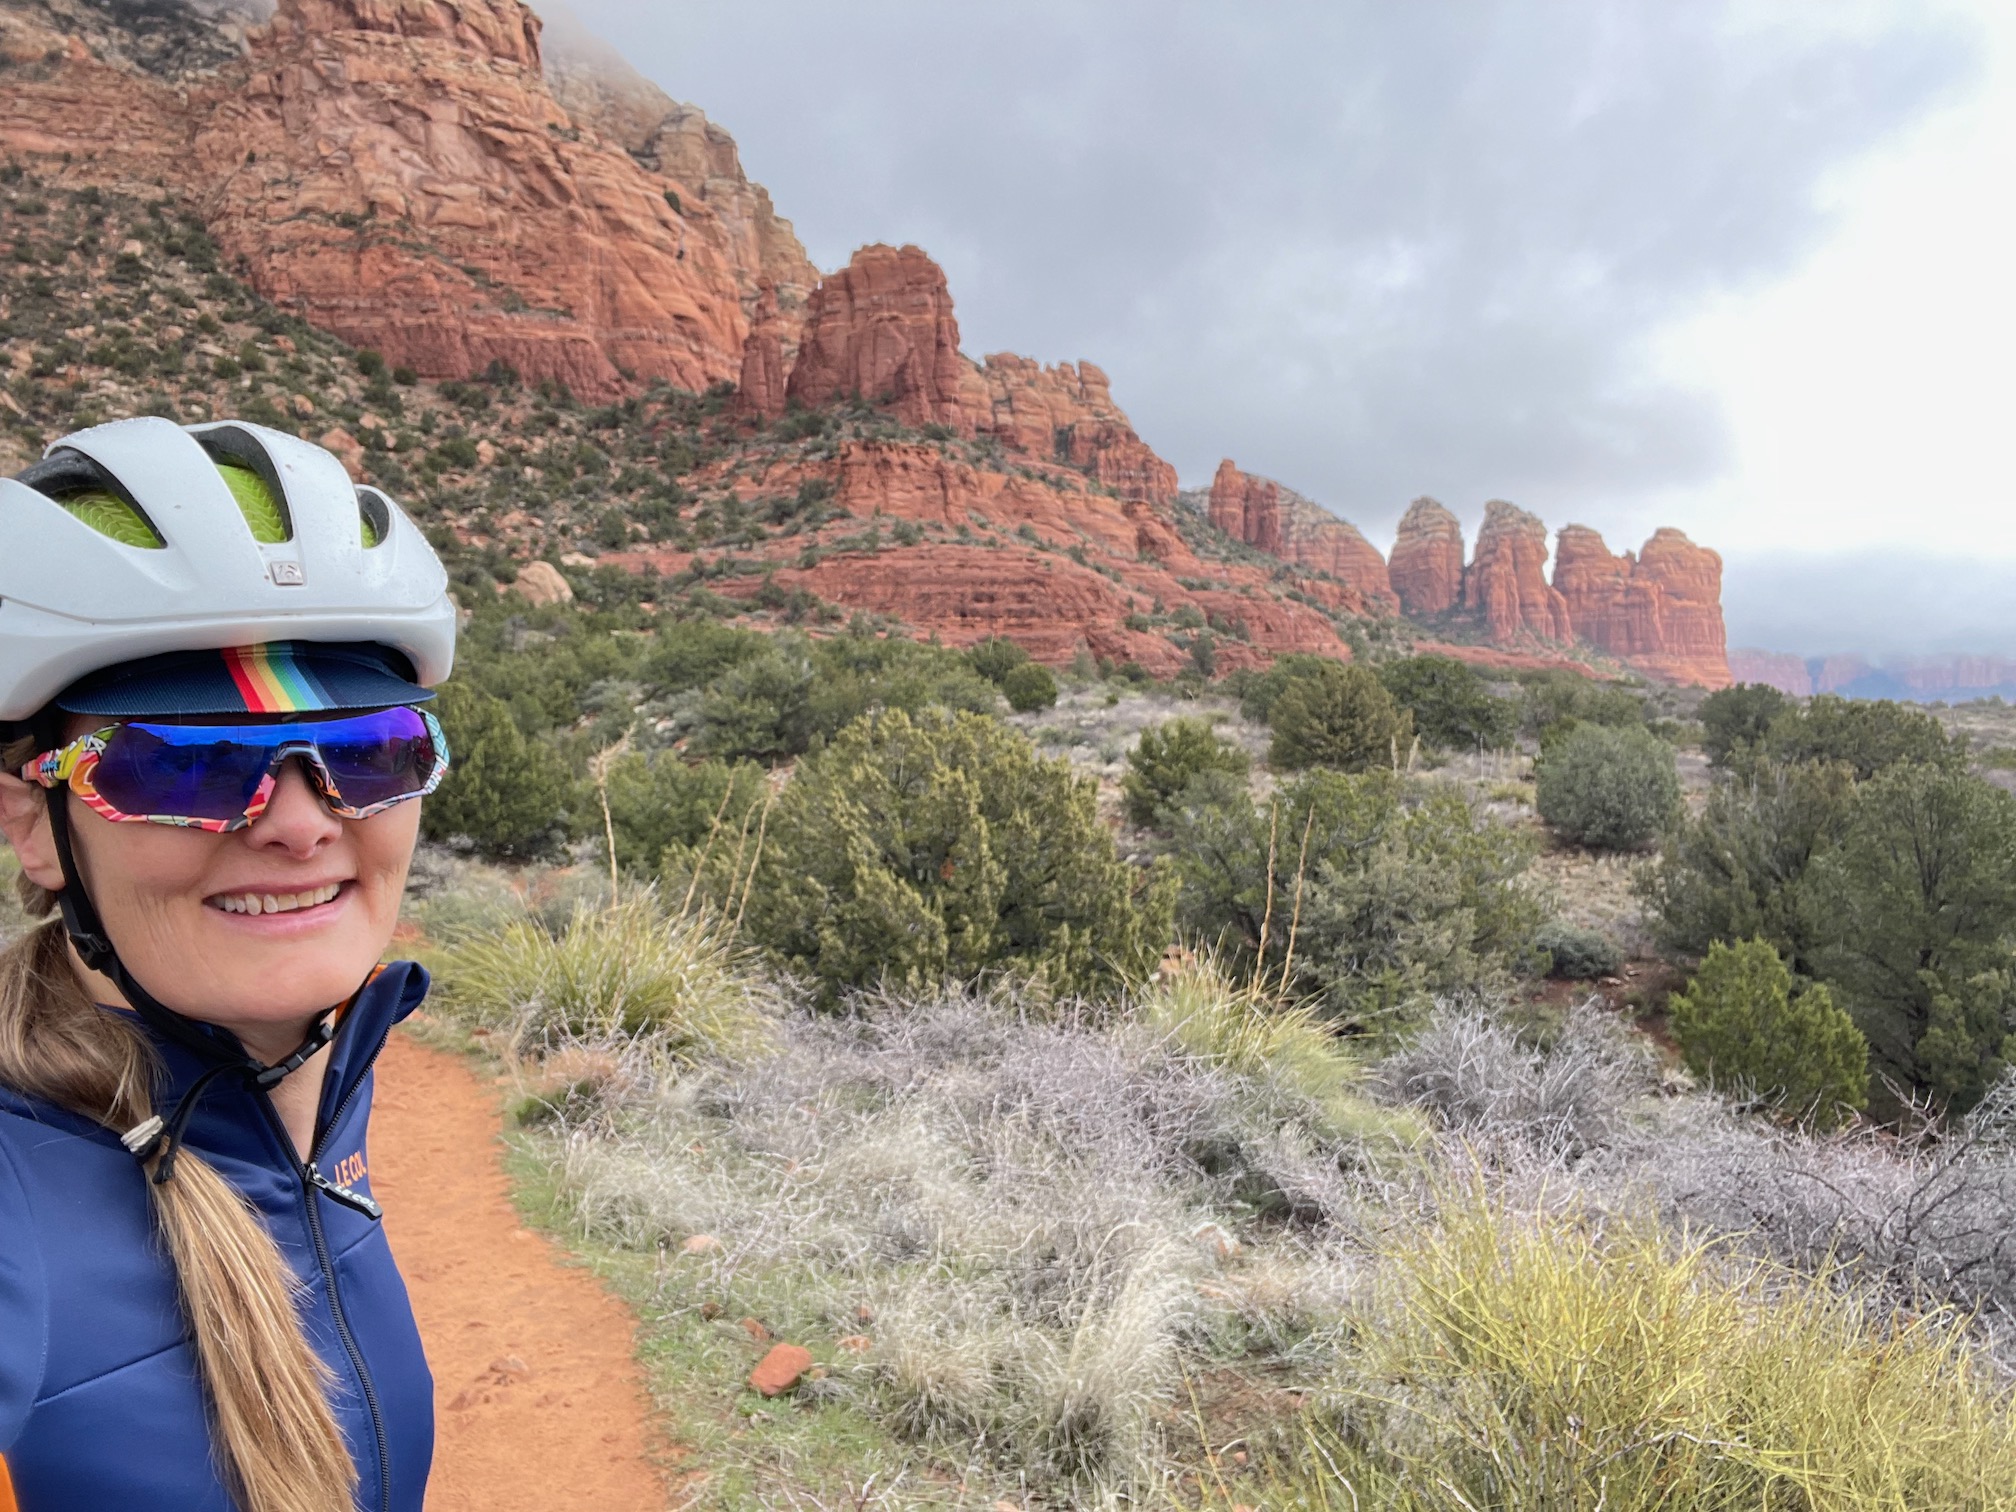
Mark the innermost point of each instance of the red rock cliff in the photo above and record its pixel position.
(399, 172)
(1506, 584)
(1427, 567)
(1275, 519)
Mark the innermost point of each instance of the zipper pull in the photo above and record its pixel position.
(343, 1194)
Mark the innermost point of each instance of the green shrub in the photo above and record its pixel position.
(1552, 698)
(1917, 908)
(1338, 717)
(1611, 789)
(1451, 705)
(1257, 691)
(620, 970)
(506, 794)
(943, 846)
(690, 653)
(760, 709)
(1396, 895)
(1742, 868)
(1029, 687)
(1167, 757)
(1867, 736)
(1527, 1363)
(1736, 720)
(1740, 1022)
(1578, 955)
(995, 657)
(659, 801)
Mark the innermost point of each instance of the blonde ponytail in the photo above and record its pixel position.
(275, 1436)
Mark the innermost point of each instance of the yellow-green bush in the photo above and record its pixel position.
(624, 970)
(1557, 1363)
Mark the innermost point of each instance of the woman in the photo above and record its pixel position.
(214, 656)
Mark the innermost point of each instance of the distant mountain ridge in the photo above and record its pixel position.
(1953, 678)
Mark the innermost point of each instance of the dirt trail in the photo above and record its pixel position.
(540, 1405)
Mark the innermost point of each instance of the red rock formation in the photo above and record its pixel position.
(1776, 669)
(1609, 605)
(1428, 561)
(397, 171)
(761, 391)
(883, 328)
(1506, 584)
(1689, 578)
(1067, 413)
(1427, 567)
(1660, 612)
(598, 88)
(1277, 520)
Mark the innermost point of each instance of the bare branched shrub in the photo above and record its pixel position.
(1476, 1077)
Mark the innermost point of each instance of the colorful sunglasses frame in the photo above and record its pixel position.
(74, 763)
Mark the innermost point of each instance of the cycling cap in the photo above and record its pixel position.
(141, 538)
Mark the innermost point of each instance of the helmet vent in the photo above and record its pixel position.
(93, 496)
(374, 516)
(254, 483)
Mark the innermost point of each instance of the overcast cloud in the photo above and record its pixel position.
(1372, 249)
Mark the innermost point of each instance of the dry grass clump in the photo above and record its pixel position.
(1561, 1362)
(614, 972)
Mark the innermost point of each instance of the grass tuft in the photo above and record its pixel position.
(614, 973)
(1553, 1361)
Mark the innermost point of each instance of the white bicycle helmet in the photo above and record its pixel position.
(141, 537)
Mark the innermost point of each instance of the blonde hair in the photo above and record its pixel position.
(274, 1434)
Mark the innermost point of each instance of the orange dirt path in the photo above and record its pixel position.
(539, 1402)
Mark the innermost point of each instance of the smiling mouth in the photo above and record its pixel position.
(271, 903)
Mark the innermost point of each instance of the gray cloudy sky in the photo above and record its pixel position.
(1374, 249)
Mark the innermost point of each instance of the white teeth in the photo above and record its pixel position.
(265, 903)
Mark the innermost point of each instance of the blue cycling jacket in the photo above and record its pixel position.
(100, 1406)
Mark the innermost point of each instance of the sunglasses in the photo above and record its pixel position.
(221, 777)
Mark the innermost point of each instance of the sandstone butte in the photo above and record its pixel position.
(1777, 669)
(1427, 567)
(1281, 522)
(1506, 585)
(1660, 611)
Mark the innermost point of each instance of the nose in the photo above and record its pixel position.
(295, 820)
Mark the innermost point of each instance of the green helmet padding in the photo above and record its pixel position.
(265, 517)
(262, 511)
(110, 515)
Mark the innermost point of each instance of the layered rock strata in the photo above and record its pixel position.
(883, 329)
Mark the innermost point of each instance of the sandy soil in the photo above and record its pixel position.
(540, 1405)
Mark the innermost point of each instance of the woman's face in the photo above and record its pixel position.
(177, 903)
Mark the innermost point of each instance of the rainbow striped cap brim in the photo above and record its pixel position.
(275, 680)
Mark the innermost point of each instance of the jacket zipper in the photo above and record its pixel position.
(311, 1181)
